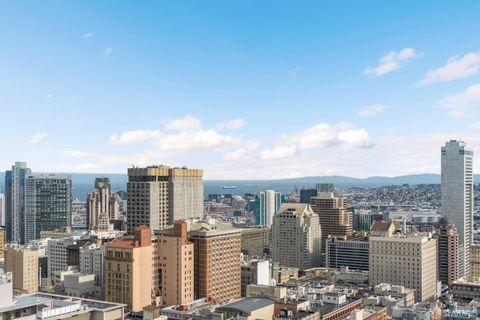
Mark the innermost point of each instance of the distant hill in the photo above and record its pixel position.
(83, 182)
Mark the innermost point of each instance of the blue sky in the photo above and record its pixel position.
(243, 89)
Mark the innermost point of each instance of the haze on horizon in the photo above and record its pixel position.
(244, 90)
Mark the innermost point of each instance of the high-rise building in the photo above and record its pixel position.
(158, 195)
(15, 183)
(351, 252)
(306, 194)
(2, 209)
(447, 248)
(408, 260)
(92, 256)
(325, 187)
(128, 274)
(332, 214)
(457, 195)
(23, 264)
(57, 255)
(255, 272)
(296, 235)
(174, 271)
(102, 205)
(217, 260)
(256, 241)
(48, 204)
(267, 204)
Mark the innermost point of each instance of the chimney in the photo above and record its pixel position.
(180, 229)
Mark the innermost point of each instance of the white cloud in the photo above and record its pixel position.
(134, 137)
(456, 68)
(87, 35)
(232, 124)
(355, 138)
(39, 138)
(183, 134)
(462, 104)
(475, 125)
(277, 153)
(392, 61)
(81, 167)
(49, 96)
(244, 152)
(107, 51)
(370, 111)
(187, 123)
(79, 154)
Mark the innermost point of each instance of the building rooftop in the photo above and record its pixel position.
(248, 305)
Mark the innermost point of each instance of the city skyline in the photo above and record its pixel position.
(328, 93)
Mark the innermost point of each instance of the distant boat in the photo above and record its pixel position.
(229, 187)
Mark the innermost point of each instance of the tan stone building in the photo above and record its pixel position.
(159, 195)
(128, 270)
(23, 264)
(102, 205)
(255, 241)
(408, 260)
(333, 216)
(296, 237)
(174, 257)
(3, 239)
(475, 261)
(217, 260)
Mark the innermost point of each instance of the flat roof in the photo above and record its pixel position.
(248, 305)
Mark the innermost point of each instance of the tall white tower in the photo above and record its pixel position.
(457, 195)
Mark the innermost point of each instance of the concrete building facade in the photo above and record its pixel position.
(457, 195)
(174, 267)
(296, 237)
(255, 241)
(48, 204)
(351, 252)
(217, 262)
(447, 248)
(332, 214)
(23, 264)
(102, 205)
(128, 270)
(405, 260)
(159, 195)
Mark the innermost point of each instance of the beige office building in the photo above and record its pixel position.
(159, 195)
(174, 268)
(405, 260)
(102, 205)
(128, 270)
(23, 264)
(3, 235)
(255, 241)
(296, 236)
(333, 216)
(217, 260)
(475, 261)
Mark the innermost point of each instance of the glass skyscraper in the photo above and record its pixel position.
(267, 203)
(15, 181)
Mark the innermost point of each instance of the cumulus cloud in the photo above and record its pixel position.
(87, 35)
(79, 154)
(134, 137)
(475, 125)
(277, 153)
(232, 124)
(38, 138)
(392, 61)
(183, 134)
(462, 104)
(370, 111)
(244, 152)
(81, 167)
(456, 68)
(187, 123)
